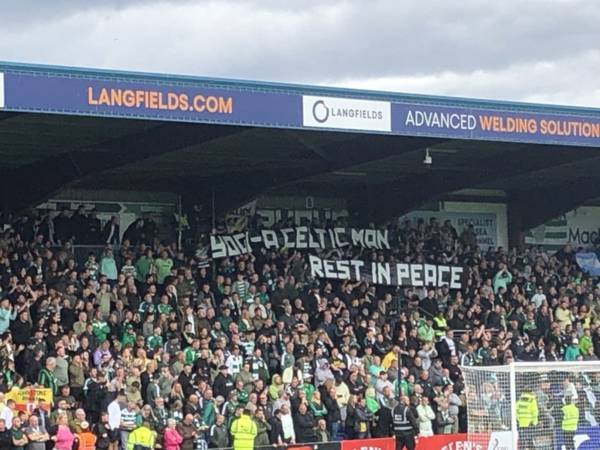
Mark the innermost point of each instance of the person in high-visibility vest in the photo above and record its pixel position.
(527, 418)
(440, 325)
(569, 422)
(244, 431)
(142, 438)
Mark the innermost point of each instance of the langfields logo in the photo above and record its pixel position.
(322, 112)
(344, 113)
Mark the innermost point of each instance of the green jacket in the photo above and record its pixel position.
(100, 330)
(425, 332)
(318, 409)
(262, 433)
(128, 339)
(142, 267)
(571, 353)
(48, 380)
(163, 269)
(501, 280)
(585, 343)
(209, 413)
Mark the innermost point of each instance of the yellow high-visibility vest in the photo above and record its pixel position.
(570, 417)
(527, 410)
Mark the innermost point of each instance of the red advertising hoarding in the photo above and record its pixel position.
(370, 444)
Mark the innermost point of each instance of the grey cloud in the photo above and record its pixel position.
(336, 42)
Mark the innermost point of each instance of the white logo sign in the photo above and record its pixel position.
(1, 90)
(345, 113)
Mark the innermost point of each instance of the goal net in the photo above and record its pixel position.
(524, 405)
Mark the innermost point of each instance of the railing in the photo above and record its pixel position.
(332, 445)
(438, 441)
(388, 443)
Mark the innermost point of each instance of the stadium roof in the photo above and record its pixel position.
(65, 127)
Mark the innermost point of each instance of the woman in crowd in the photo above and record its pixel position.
(64, 437)
(172, 438)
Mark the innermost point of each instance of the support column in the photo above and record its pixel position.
(516, 234)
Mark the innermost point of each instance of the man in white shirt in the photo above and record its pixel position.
(114, 420)
(287, 424)
(234, 361)
(8, 413)
(539, 297)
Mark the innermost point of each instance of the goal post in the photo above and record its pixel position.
(534, 405)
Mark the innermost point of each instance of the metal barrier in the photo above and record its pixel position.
(388, 443)
(334, 445)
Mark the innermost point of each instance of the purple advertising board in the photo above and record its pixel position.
(281, 106)
(138, 99)
(497, 125)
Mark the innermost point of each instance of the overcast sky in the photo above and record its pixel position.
(530, 50)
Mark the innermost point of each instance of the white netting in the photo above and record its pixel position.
(493, 395)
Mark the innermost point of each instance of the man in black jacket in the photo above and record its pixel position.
(223, 384)
(382, 422)
(276, 434)
(186, 378)
(21, 328)
(304, 425)
(404, 425)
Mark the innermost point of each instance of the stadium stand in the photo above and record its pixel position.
(141, 333)
(191, 334)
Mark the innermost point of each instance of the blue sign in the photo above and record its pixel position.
(585, 438)
(135, 99)
(487, 124)
(196, 100)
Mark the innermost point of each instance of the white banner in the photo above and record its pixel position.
(396, 274)
(346, 113)
(298, 238)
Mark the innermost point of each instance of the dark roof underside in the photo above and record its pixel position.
(380, 176)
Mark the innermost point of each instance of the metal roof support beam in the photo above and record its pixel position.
(60, 171)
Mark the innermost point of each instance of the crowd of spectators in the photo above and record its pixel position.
(145, 345)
